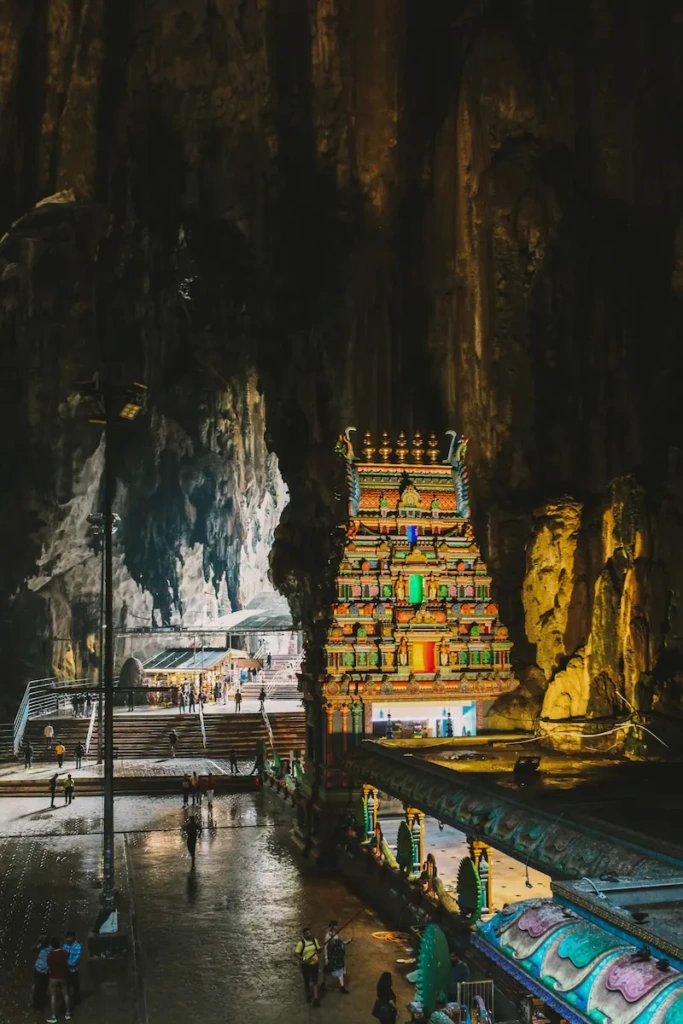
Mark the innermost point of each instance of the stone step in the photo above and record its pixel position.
(124, 785)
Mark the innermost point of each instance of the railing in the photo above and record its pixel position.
(271, 738)
(261, 652)
(477, 994)
(91, 727)
(201, 722)
(43, 697)
(20, 721)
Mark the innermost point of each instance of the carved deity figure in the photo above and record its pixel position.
(403, 652)
(400, 589)
(383, 504)
(433, 589)
(443, 653)
(435, 507)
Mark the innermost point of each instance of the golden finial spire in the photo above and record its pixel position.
(418, 449)
(401, 448)
(433, 449)
(368, 450)
(385, 447)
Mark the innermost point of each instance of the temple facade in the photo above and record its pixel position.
(415, 633)
(415, 646)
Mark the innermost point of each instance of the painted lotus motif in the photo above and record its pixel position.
(627, 986)
(537, 921)
(578, 951)
(531, 929)
(509, 823)
(635, 978)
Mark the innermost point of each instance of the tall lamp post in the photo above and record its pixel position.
(96, 520)
(111, 407)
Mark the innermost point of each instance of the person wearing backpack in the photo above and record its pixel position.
(308, 951)
(335, 955)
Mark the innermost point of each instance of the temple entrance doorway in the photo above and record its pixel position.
(406, 720)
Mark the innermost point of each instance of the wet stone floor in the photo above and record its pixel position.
(211, 945)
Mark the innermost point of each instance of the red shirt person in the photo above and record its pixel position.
(58, 969)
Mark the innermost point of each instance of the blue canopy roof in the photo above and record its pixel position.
(584, 972)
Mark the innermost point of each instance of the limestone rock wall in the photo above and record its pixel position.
(409, 215)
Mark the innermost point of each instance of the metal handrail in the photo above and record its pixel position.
(41, 697)
(20, 721)
(91, 727)
(201, 723)
(271, 737)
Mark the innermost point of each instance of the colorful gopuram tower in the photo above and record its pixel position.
(415, 646)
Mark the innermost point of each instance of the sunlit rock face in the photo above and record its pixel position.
(405, 216)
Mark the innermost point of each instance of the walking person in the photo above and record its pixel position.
(88, 706)
(79, 751)
(173, 741)
(269, 662)
(192, 831)
(28, 754)
(74, 705)
(262, 700)
(238, 700)
(201, 789)
(60, 751)
(210, 790)
(49, 734)
(194, 782)
(73, 949)
(41, 977)
(68, 790)
(58, 968)
(181, 702)
(385, 1005)
(131, 700)
(53, 789)
(233, 762)
(186, 785)
(192, 702)
(335, 955)
(308, 951)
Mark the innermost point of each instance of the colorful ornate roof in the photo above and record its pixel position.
(414, 615)
(583, 971)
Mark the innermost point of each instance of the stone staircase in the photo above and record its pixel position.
(146, 736)
(240, 733)
(68, 730)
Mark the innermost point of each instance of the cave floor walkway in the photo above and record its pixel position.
(210, 944)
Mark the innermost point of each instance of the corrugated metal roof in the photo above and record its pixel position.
(189, 659)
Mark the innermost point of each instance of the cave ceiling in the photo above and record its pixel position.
(289, 216)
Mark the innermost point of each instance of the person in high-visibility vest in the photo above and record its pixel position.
(308, 951)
